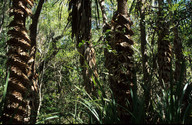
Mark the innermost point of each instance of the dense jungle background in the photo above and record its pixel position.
(95, 61)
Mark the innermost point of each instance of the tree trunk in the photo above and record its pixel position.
(17, 108)
(120, 63)
(143, 42)
(179, 55)
(144, 54)
(102, 3)
(34, 76)
(177, 47)
(164, 49)
(81, 28)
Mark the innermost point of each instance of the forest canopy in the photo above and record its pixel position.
(95, 61)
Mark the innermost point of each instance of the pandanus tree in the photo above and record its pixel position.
(177, 43)
(119, 62)
(34, 75)
(80, 18)
(164, 47)
(178, 54)
(142, 9)
(145, 66)
(17, 108)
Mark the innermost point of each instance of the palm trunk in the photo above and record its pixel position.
(179, 55)
(164, 49)
(34, 76)
(143, 42)
(180, 70)
(144, 54)
(81, 28)
(120, 63)
(87, 57)
(17, 108)
(177, 47)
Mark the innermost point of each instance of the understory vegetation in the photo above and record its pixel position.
(96, 61)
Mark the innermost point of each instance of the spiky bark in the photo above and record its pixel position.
(81, 28)
(120, 63)
(164, 48)
(17, 108)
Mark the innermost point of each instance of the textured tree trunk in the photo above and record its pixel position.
(178, 54)
(88, 60)
(144, 54)
(81, 28)
(164, 49)
(102, 6)
(177, 47)
(143, 42)
(180, 69)
(17, 108)
(89, 69)
(34, 76)
(120, 63)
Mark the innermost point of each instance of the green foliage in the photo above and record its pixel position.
(4, 94)
(101, 110)
(63, 97)
(169, 107)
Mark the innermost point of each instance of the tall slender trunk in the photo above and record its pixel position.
(178, 54)
(177, 46)
(164, 48)
(17, 108)
(143, 41)
(101, 3)
(81, 28)
(180, 69)
(34, 76)
(144, 54)
(120, 63)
